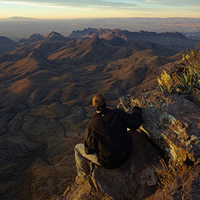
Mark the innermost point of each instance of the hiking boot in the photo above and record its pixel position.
(81, 179)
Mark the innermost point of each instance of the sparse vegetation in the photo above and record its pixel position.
(166, 83)
(188, 80)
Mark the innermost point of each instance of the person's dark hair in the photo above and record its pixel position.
(99, 102)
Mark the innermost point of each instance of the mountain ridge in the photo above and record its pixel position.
(169, 39)
(45, 102)
(6, 44)
(55, 36)
(173, 40)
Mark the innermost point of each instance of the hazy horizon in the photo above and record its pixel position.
(65, 16)
(17, 28)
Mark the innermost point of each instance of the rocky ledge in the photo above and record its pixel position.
(165, 160)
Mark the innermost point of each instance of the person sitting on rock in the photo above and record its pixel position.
(107, 142)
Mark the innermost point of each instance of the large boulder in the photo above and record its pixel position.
(136, 179)
(172, 122)
(164, 163)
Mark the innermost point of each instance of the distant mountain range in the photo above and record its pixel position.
(195, 35)
(18, 18)
(172, 40)
(17, 28)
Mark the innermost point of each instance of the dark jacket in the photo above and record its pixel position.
(106, 134)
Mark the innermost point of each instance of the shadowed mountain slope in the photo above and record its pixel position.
(45, 103)
(6, 44)
(32, 39)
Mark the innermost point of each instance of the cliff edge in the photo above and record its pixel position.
(164, 163)
(165, 159)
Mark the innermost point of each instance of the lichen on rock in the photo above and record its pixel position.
(164, 163)
(172, 123)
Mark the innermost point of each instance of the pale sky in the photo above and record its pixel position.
(67, 9)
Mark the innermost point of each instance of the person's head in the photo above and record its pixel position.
(99, 102)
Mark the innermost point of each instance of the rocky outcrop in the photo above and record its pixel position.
(136, 179)
(165, 159)
(173, 123)
(184, 186)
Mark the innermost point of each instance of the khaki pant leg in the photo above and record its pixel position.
(81, 159)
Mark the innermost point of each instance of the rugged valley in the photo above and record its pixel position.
(47, 83)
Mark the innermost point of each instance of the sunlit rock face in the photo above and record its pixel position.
(172, 122)
(170, 132)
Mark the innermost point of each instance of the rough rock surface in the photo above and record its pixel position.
(171, 127)
(185, 186)
(136, 179)
(173, 123)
